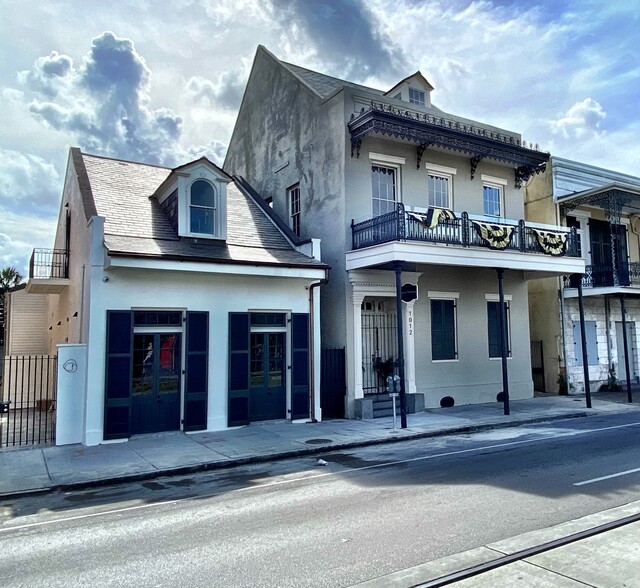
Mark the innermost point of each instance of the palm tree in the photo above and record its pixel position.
(10, 277)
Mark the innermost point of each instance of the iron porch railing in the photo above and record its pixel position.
(49, 263)
(606, 276)
(462, 231)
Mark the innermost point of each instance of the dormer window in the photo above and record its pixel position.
(416, 97)
(202, 208)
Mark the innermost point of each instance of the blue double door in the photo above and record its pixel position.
(155, 389)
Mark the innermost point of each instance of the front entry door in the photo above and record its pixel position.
(155, 389)
(267, 393)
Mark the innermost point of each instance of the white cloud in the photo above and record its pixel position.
(582, 119)
(28, 183)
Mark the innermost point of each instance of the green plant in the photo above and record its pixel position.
(563, 386)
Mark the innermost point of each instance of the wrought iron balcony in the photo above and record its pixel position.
(48, 271)
(607, 276)
(440, 226)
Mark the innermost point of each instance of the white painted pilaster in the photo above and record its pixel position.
(409, 347)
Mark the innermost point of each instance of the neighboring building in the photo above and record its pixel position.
(195, 304)
(395, 187)
(604, 207)
(25, 317)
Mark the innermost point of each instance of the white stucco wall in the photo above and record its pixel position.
(217, 294)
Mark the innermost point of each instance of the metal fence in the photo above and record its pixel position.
(27, 400)
(379, 350)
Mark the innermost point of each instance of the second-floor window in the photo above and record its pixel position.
(439, 189)
(492, 200)
(202, 208)
(416, 97)
(383, 189)
(293, 196)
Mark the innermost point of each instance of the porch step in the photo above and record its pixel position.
(383, 406)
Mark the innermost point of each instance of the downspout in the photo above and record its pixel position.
(312, 350)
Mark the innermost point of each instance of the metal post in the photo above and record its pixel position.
(397, 266)
(623, 311)
(503, 341)
(583, 336)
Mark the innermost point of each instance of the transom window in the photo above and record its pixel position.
(439, 190)
(294, 208)
(157, 318)
(202, 208)
(492, 200)
(416, 97)
(383, 189)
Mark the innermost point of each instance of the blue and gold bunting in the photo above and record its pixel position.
(494, 236)
(551, 242)
(433, 216)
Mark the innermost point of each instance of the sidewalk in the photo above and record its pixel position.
(607, 560)
(24, 471)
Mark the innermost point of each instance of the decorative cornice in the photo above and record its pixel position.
(427, 130)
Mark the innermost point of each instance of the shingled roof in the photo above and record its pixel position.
(136, 226)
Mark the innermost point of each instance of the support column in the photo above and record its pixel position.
(410, 348)
(503, 341)
(397, 266)
(583, 336)
(357, 345)
(623, 311)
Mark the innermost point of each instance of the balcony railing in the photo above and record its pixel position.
(463, 231)
(49, 263)
(606, 276)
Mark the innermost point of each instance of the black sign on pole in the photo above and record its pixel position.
(409, 292)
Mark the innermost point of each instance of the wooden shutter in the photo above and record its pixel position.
(238, 368)
(300, 389)
(196, 388)
(119, 353)
(443, 330)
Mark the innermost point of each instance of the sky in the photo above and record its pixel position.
(161, 82)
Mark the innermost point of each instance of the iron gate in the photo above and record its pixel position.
(27, 399)
(379, 348)
(537, 366)
(333, 383)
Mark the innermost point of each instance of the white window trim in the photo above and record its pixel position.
(493, 180)
(290, 190)
(398, 180)
(500, 188)
(442, 172)
(452, 171)
(382, 158)
(215, 208)
(185, 179)
(443, 295)
(496, 297)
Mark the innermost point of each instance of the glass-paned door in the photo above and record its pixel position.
(267, 377)
(155, 390)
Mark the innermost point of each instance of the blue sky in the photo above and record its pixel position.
(161, 82)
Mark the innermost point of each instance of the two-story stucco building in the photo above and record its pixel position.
(602, 205)
(403, 194)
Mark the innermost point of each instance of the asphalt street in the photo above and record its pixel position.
(367, 513)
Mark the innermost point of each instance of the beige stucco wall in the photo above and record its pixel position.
(26, 315)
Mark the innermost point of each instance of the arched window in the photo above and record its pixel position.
(202, 208)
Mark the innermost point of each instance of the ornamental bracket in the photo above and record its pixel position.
(420, 149)
(475, 160)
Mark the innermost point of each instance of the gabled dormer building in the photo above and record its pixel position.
(180, 301)
(421, 214)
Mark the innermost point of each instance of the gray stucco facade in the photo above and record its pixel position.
(293, 127)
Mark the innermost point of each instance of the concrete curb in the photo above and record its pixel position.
(294, 453)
